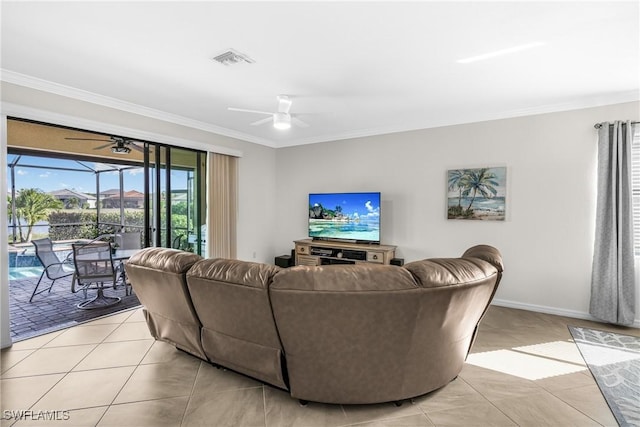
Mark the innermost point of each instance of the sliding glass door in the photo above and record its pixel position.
(175, 189)
(156, 189)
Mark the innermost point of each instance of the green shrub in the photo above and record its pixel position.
(82, 224)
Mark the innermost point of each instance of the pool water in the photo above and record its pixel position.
(20, 273)
(25, 264)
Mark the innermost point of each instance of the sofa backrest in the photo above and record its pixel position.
(365, 334)
(238, 331)
(342, 328)
(469, 282)
(479, 265)
(157, 276)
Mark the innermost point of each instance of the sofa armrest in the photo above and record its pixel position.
(486, 253)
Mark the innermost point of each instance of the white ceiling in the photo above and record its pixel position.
(351, 68)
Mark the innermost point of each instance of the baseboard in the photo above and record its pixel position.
(552, 310)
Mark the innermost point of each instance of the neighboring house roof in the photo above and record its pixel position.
(132, 194)
(66, 193)
(110, 192)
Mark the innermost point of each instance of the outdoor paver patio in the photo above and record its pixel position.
(56, 310)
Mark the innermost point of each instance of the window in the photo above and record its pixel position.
(635, 185)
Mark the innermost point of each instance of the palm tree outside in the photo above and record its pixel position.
(33, 205)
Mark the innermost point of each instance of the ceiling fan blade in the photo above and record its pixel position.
(284, 104)
(262, 121)
(136, 147)
(103, 146)
(299, 122)
(90, 139)
(248, 111)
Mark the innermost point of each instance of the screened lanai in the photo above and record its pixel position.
(70, 186)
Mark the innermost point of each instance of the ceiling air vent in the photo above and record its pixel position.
(231, 57)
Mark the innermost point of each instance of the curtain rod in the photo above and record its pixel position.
(599, 125)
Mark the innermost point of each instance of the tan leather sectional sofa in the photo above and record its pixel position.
(334, 334)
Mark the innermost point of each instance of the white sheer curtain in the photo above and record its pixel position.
(223, 196)
(613, 287)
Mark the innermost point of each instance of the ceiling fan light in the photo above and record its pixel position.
(120, 149)
(281, 121)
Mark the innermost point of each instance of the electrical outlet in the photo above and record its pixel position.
(254, 254)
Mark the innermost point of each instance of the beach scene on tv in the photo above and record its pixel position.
(351, 216)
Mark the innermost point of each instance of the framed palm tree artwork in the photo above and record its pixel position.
(477, 194)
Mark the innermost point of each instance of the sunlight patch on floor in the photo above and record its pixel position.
(533, 362)
(561, 350)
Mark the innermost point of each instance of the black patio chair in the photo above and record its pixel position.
(54, 268)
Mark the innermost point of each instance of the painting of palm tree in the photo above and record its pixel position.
(477, 194)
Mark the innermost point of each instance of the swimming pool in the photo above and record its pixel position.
(21, 273)
(23, 263)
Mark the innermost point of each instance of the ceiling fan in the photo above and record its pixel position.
(118, 144)
(282, 118)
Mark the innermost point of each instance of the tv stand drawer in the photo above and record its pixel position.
(307, 260)
(374, 256)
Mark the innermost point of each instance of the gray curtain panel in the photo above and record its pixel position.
(613, 277)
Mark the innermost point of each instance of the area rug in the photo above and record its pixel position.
(614, 362)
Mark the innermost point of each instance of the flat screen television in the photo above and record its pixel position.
(345, 216)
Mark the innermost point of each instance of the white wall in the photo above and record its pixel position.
(547, 239)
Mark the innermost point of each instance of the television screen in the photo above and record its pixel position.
(347, 216)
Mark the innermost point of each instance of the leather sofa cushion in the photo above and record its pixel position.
(436, 272)
(167, 260)
(486, 253)
(344, 278)
(238, 331)
(244, 273)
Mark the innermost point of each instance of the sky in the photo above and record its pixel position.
(364, 204)
(53, 179)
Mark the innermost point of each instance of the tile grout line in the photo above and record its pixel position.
(130, 375)
(491, 402)
(193, 387)
(65, 375)
(577, 409)
(264, 404)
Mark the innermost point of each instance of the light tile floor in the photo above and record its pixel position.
(524, 370)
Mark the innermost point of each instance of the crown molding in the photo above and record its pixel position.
(105, 101)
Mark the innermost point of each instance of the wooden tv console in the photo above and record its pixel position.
(323, 252)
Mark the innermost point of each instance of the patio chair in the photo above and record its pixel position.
(128, 240)
(54, 269)
(94, 267)
(177, 241)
